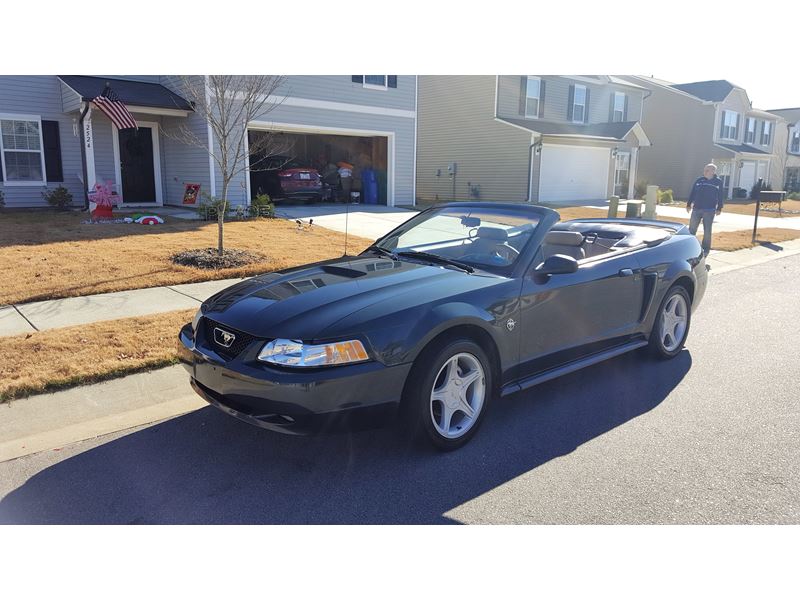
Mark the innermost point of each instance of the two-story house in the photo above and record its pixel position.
(51, 135)
(537, 138)
(692, 124)
(787, 145)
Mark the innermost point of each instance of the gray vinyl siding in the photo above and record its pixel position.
(41, 95)
(556, 98)
(340, 88)
(681, 130)
(456, 124)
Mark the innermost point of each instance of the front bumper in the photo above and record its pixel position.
(291, 400)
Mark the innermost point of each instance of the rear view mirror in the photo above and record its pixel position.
(557, 264)
(470, 221)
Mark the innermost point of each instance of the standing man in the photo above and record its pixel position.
(704, 202)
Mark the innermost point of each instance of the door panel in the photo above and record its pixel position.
(569, 314)
(136, 165)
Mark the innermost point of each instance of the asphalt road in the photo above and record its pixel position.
(709, 437)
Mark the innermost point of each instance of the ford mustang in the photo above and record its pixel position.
(459, 306)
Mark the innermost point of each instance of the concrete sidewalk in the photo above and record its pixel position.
(64, 312)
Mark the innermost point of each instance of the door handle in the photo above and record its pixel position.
(625, 272)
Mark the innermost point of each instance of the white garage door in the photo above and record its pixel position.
(572, 173)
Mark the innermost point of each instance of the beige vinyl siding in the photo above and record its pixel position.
(456, 124)
(682, 132)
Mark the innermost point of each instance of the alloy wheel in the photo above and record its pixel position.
(458, 395)
(674, 319)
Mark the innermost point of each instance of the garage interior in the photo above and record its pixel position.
(368, 156)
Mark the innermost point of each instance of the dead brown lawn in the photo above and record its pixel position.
(750, 208)
(729, 241)
(58, 358)
(45, 255)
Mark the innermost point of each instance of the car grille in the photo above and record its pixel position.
(240, 343)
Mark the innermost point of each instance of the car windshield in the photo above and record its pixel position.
(483, 237)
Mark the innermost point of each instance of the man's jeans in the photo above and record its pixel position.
(707, 216)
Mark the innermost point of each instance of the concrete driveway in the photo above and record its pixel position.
(365, 220)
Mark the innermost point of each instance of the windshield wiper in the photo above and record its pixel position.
(435, 258)
(383, 251)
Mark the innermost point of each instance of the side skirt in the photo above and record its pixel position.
(570, 367)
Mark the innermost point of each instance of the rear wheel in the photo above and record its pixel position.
(448, 392)
(671, 327)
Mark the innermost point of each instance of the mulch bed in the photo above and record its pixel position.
(209, 258)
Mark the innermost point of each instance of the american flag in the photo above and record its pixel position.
(114, 109)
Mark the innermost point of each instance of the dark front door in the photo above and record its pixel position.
(136, 165)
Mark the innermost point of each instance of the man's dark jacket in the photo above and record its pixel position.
(706, 194)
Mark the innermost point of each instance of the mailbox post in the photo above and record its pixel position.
(758, 206)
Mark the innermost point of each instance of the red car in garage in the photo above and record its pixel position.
(285, 177)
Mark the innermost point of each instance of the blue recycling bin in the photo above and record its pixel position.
(369, 186)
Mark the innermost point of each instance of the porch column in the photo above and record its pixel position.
(632, 172)
(734, 180)
(88, 141)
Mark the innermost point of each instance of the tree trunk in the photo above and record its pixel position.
(221, 218)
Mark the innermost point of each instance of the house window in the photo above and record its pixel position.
(794, 142)
(750, 134)
(618, 114)
(375, 81)
(766, 133)
(579, 104)
(532, 96)
(730, 122)
(21, 145)
(724, 174)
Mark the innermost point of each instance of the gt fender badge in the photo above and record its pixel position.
(510, 324)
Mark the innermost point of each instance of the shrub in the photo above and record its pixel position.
(755, 189)
(209, 207)
(792, 196)
(262, 206)
(665, 197)
(59, 198)
(640, 188)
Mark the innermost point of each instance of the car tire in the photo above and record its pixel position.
(437, 400)
(671, 326)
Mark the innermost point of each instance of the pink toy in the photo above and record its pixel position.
(104, 199)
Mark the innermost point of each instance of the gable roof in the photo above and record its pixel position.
(790, 114)
(714, 91)
(133, 93)
(743, 148)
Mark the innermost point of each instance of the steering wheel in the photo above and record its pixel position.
(500, 255)
(506, 252)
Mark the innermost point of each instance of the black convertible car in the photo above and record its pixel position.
(461, 304)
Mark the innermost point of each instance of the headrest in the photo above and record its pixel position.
(493, 233)
(564, 238)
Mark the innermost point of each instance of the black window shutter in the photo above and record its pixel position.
(541, 98)
(722, 125)
(523, 95)
(611, 107)
(52, 151)
(571, 102)
(358, 79)
(1, 166)
(391, 81)
(586, 108)
(625, 109)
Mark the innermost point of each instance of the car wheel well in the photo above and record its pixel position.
(471, 332)
(686, 283)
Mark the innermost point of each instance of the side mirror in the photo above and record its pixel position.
(558, 264)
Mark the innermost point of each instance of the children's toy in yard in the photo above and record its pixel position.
(149, 220)
(102, 200)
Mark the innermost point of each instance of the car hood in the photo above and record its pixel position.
(300, 303)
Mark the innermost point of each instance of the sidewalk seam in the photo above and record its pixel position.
(24, 317)
(182, 294)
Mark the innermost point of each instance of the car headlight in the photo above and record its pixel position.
(293, 353)
(196, 319)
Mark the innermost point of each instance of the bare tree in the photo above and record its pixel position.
(228, 103)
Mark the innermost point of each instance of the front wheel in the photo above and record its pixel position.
(671, 326)
(447, 393)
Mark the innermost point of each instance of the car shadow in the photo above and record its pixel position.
(206, 467)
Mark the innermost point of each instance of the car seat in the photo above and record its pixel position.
(569, 243)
